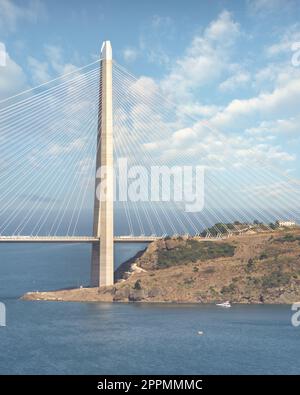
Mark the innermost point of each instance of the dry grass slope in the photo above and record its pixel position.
(254, 268)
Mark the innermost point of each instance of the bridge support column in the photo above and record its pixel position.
(102, 265)
(95, 264)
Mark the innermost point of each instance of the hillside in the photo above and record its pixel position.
(254, 268)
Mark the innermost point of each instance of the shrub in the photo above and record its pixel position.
(254, 281)
(192, 251)
(213, 291)
(288, 238)
(228, 289)
(137, 285)
(263, 256)
(276, 279)
(250, 265)
(188, 281)
(209, 270)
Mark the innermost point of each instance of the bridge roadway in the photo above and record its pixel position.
(75, 239)
(89, 239)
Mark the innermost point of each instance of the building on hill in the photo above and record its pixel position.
(287, 224)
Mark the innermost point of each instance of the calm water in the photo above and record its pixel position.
(100, 338)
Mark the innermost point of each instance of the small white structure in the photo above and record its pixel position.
(287, 224)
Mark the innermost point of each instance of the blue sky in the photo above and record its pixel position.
(219, 57)
(234, 64)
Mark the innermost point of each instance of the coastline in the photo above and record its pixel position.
(91, 295)
(260, 268)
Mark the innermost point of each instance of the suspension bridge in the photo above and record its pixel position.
(53, 137)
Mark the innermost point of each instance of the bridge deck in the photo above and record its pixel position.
(74, 239)
(89, 239)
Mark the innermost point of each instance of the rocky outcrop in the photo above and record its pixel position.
(125, 269)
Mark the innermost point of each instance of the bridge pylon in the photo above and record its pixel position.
(102, 265)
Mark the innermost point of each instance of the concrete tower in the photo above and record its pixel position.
(102, 266)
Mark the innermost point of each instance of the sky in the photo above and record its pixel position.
(228, 61)
(234, 64)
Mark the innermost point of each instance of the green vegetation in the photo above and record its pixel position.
(263, 256)
(256, 222)
(288, 238)
(224, 228)
(253, 281)
(213, 291)
(276, 279)
(218, 228)
(250, 265)
(193, 251)
(228, 289)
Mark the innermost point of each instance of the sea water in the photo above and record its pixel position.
(119, 338)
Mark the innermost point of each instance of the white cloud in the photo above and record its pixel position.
(157, 55)
(211, 147)
(263, 152)
(2, 55)
(12, 78)
(154, 37)
(238, 132)
(12, 13)
(195, 109)
(56, 60)
(287, 127)
(204, 60)
(129, 54)
(280, 102)
(263, 7)
(184, 136)
(38, 70)
(285, 43)
(146, 85)
(156, 34)
(159, 22)
(224, 29)
(51, 66)
(237, 80)
(151, 146)
(57, 149)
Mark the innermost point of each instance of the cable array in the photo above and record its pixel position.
(150, 130)
(48, 144)
(48, 138)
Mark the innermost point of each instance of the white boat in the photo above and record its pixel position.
(224, 304)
